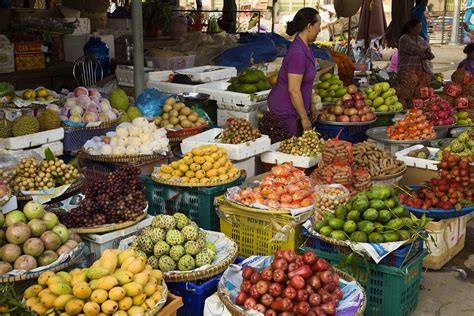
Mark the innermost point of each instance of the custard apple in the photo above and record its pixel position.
(186, 263)
(153, 262)
(161, 248)
(166, 222)
(202, 234)
(181, 220)
(166, 264)
(190, 232)
(144, 244)
(155, 234)
(174, 237)
(139, 253)
(203, 258)
(211, 248)
(201, 242)
(176, 252)
(192, 248)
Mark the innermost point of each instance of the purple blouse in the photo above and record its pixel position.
(298, 60)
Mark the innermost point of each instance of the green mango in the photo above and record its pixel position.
(379, 227)
(390, 236)
(384, 216)
(396, 223)
(377, 204)
(353, 215)
(370, 214)
(336, 223)
(360, 204)
(376, 238)
(325, 231)
(338, 235)
(247, 88)
(350, 226)
(317, 226)
(359, 236)
(399, 211)
(404, 234)
(366, 227)
(341, 212)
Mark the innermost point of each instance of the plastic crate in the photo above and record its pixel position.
(171, 63)
(74, 139)
(196, 203)
(390, 291)
(353, 134)
(253, 231)
(394, 259)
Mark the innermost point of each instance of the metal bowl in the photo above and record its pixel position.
(380, 134)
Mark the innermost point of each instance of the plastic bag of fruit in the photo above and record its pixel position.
(362, 180)
(8, 164)
(327, 197)
(336, 150)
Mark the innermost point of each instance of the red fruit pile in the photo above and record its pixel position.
(439, 112)
(292, 285)
(453, 189)
(413, 126)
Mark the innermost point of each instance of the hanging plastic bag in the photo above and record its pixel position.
(151, 101)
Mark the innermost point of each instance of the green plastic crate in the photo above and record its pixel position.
(196, 203)
(390, 291)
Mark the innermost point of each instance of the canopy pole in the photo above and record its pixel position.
(137, 38)
(455, 29)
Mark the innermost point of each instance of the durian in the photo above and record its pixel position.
(49, 119)
(5, 128)
(25, 125)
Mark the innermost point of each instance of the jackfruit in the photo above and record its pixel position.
(49, 119)
(25, 125)
(5, 128)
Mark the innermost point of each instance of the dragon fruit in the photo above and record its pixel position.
(438, 112)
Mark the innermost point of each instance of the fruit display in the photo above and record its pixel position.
(376, 161)
(438, 112)
(174, 243)
(40, 94)
(463, 145)
(453, 189)
(382, 98)
(327, 198)
(351, 108)
(299, 284)
(49, 119)
(371, 216)
(413, 126)
(206, 164)
(330, 88)
(33, 238)
(176, 115)
(137, 138)
(22, 125)
(269, 124)
(118, 197)
(249, 81)
(118, 283)
(33, 174)
(238, 131)
(462, 118)
(286, 187)
(309, 144)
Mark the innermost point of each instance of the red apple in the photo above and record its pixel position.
(343, 118)
(348, 103)
(359, 104)
(366, 110)
(355, 118)
(351, 112)
(363, 118)
(351, 89)
(358, 96)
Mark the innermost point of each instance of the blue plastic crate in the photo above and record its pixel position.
(353, 134)
(74, 139)
(394, 259)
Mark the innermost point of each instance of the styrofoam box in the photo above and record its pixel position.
(97, 243)
(32, 140)
(224, 115)
(218, 91)
(207, 74)
(173, 88)
(277, 157)
(402, 155)
(124, 75)
(260, 106)
(83, 25)
(234, 152)
(171, 63)
(57, 148)
(74, 45)
(248, 165)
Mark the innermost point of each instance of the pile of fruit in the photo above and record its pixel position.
(32, 174)
(174, 243)
(238, 131)
(351, 108)
(463, 145)
(330, 88)
(33, 238)
(270, 125)
(177, 115)
(27, 125)
(286, 187)
(382, 98)
(327, 198)
(413, 126)
(137, 138)
(372, 216)
(119, 283)
(376, 161)
(118, 197)
(453, 189)
(462, 118)
(39, 94)
(206, 164)
(303, 285)
(438, 112)
(309, 144)
(249, 81)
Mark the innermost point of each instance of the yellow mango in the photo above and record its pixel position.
(149, 289)
(81, 290)
(44, 277)
(127, 262)
(94, 284)
(133, 289)
(123, 277)
(107, 282)
(79, 277)
(61, 301)
(157, 296)
(109, 307)
(74, 306)
(135, 310)
(66, 276)
(158, 275)
(32, 301)
(91, 309)
(141, 278)
(149, 304)
(44, 292)
(137, 266)
(48, 300)
(139, 299)
(39, 309)
(120, 313)
(125, 303)
(55, 279)
(117, 293)
(99, 296)
(60, 288)
(75, 271)
(109, 260)
(97, 273)
(123, 255)
(32, 291)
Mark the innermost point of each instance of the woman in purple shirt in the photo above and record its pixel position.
(291, 98)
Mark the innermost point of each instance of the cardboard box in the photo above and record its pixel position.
(417, 175)
(30, 61)
(7, 60)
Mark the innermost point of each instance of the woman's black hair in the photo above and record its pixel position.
(302, 18)
(410, 25)
(469, 48)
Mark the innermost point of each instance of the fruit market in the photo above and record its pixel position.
(226, 158)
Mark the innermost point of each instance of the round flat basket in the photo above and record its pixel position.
(196, 185)
(392, 176)
(75, 186)
(109, 227)
(346, 123)
(118, 159)
(54, 267)
(179, 135)
(236, 311)
(102, 125)
(388, 113)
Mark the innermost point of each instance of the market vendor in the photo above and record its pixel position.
(468, 63)
(291, 98)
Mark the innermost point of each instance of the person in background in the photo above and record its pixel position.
(418, 13)
(112, 6)
(291, 97)
(468, 63)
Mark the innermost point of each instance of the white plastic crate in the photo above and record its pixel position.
(249, 165)
(124, 75)
(32, 140)
(402, 155)
(277, 157)
(224, 115)
(234, 152)
(218, 91)
(171, 63)
(97, 243)
(260, 106)
(207, 74)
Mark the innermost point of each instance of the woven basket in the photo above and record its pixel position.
(196, 185)
(103, 125)
(118, 159)
(177, 136)
(236, 311)
(343, 243)
(75, 186)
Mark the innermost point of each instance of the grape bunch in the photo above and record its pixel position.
(309, 144)
(270, 125)
(239, 131)
(117, 198)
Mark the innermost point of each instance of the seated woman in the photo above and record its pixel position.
(468, 63)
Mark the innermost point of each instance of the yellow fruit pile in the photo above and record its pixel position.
(178, 115)
(205, 165)
(118, 283)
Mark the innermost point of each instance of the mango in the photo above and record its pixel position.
(123, 255)
(109, 260)
(81, 290)
(48, 300)
(120, 313)
(97, 273)
(125, 303)
(135, 310)
(75, 271)
(91, 308)
(74, 306)
(44, 292)
(157, 296)
(99, 296)
(55, 279)
(127, 262)
(137, 266)
(94, 284)
(79, 277)
(117, 293)
(139, 299)
(39, 309)
(66, 276)
(107, 282)
(44, 277)
(33, 301)
(61, 301)
(149, 304)
(157, 274)
(141, 278)
(123, 277)
(149, 289)
(60, 288)
(109, 307)
(32, 291)
(133, 289)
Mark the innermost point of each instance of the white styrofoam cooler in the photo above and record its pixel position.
(224, 115)
(57, 148)
(277, 157)
(74, 45)
(429, 164)
(124, 75)
(32, 140)
(159, 80)
(218, 91)
(234, 152)
(207, 74)
(171, 63)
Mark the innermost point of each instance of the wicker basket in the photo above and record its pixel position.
(75, 186)
(118, 159)
(195, 185)
(177, 136)
(103, 125)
